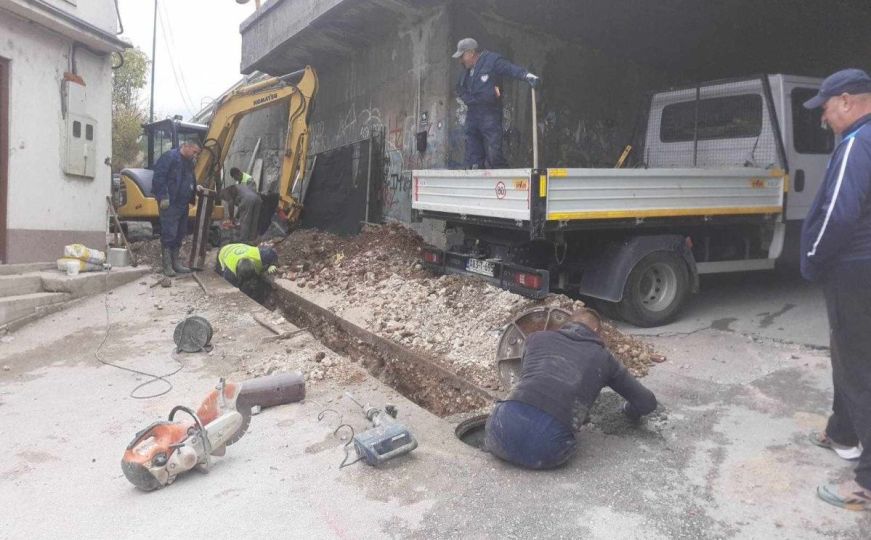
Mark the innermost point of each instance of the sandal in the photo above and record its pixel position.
(849, 496)
(819, 438)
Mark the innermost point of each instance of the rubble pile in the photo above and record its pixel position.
(456, 319)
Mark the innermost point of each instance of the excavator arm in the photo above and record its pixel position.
(229, 112)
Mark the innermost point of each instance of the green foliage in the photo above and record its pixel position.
(128, 113)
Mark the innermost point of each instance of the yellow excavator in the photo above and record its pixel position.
(136, 202)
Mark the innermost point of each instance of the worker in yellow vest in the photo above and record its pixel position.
(243, 265)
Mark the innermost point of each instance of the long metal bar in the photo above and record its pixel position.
(153, 57)
(534, 131)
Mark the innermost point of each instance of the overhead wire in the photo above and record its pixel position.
(168, 27)
(186, 100)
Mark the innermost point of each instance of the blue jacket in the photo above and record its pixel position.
(837, 228)
(477, 86)
(174, 178)
(564, 371)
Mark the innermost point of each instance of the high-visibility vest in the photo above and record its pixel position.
(231, 254)
(247, 179)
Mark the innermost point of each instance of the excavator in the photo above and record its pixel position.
(136, 201)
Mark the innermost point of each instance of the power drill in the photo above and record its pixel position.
(386, 440)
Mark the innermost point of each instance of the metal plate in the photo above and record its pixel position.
(510, 349)
(192, 334)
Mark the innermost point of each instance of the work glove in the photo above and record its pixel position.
(271, 270)
(533, 80)
(164, 204)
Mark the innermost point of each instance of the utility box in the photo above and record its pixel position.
(80, 155)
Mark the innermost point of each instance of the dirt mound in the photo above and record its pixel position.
(456, 318)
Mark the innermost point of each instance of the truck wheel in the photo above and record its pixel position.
(655, 291)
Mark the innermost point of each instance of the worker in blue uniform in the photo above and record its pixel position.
(480, 88)
(836, 252)
(174, 187)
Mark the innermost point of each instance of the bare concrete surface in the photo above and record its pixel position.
(724, 457)
(778, 306)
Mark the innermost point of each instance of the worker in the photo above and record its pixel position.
(243, 266)
(244, 197)
(562, 373)
(836, 252)
(241, 177)
(480, 88)
(173, 187)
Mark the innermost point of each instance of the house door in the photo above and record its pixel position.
(4, 152)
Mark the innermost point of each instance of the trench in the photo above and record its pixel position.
(417, 376)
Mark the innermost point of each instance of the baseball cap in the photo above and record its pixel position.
(846, 81)
(467, 44)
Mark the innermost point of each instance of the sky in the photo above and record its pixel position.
(198, 49)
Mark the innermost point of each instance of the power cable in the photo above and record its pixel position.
(152, 378)
(185, 99)
(168, 27)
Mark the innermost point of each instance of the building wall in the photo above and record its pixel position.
(100, 13)
(46, 207)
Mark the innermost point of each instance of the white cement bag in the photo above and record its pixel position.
(73, 266)
(83, 253)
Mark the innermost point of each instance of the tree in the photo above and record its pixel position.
(128, 114)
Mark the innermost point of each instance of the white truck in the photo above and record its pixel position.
(727, 168)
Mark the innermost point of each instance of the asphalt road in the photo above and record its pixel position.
(768, 305)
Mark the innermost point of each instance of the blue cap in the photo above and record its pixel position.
(846, 81)
(268, 257)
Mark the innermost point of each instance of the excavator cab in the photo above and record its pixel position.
(132, 195)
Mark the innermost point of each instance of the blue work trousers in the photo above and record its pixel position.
(173, 226)
(484, 138)
(527, 436)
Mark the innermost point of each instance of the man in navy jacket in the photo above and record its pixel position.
(173, 186)
(836, 251)
(561, 376)
(480, 88)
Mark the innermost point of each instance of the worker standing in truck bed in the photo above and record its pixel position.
(480, 88)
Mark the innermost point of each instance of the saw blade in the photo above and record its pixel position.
(245, 411)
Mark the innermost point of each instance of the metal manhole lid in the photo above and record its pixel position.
(192, 334)
(471, 430)
(513, 339)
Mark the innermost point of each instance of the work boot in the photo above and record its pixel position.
(177, 266)
(166, 255)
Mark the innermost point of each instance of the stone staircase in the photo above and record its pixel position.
(30, 291)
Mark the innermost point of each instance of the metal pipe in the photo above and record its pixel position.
(534, 131)
(153, 55)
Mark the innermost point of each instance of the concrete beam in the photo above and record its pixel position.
(288, 34)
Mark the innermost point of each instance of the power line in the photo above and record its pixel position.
(169, 30)
(185, 98)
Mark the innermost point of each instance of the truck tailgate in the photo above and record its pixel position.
(581, 194)
(497, 193)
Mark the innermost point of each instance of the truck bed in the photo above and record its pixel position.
(525, 196)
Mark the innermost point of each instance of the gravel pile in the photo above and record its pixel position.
(457, 319)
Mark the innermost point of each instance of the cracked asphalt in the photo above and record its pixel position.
(725, 456)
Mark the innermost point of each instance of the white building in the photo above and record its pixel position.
(55, 124)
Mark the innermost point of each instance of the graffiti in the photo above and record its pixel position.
(462, 111)
(370, 122)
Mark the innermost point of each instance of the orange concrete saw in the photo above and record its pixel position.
(168, 448)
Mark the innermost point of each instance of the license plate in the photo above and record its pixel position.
(481, 267)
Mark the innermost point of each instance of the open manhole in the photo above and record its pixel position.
(471, 430)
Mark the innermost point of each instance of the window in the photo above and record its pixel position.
(77, 129)
(89, 132)
(730, 117)
(808, 135)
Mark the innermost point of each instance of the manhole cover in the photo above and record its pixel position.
(471, 431)
(510, 348)
(192, 334)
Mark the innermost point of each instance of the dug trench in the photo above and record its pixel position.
(415, 375)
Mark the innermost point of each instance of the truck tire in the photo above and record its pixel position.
(656, 290)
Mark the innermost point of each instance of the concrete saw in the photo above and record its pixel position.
(168, 448)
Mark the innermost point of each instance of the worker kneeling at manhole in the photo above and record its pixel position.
(243, 266)
(562, 373)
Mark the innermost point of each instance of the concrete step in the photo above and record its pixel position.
(88, 283)
(12, 269)
(22, 305)
(17, 285)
